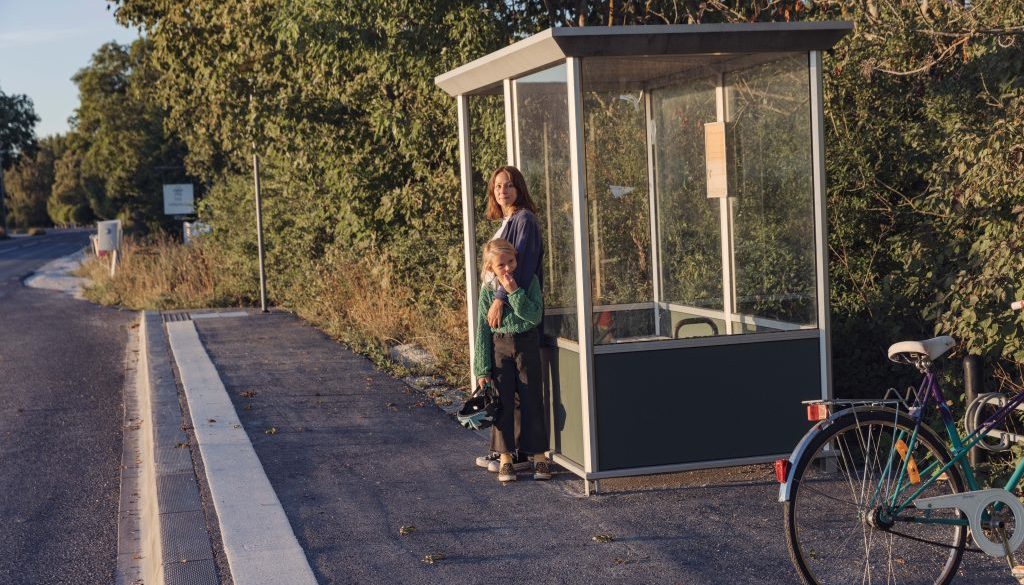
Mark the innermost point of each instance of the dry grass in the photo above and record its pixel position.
(157, 274)
(355, 299)
(361, 302)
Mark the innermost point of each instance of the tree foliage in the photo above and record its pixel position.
(30, 182)
(17, 122)
(923, 117)
(17, 137)
(118, 134)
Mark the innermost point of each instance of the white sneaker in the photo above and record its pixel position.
(486, 461)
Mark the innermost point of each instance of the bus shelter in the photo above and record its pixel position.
(679, 176)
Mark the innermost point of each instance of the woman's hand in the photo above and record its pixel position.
(494, 313)
(481, 381)
(508, 282)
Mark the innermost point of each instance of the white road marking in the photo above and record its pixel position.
(259, 543)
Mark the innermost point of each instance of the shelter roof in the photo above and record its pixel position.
(544, 49)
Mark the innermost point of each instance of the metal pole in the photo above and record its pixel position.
(973, 385)
(259, 228)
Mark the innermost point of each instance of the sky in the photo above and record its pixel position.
(43, 43)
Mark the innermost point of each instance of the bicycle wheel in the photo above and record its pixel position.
(837, 528)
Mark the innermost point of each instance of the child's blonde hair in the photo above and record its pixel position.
(492, 249)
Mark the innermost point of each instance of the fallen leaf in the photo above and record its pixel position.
(271, 431)
(433, 558)
(602, 538)
(247, 394)
(213, 420)
(406, 530)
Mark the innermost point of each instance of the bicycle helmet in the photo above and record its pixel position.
(480, 411)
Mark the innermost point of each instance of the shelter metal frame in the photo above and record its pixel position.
(570, 46)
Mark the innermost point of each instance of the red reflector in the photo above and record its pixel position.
(781, 470)
(816, 412)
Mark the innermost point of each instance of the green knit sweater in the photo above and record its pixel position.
(527, 310)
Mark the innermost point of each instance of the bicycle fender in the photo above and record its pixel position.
(785, 489)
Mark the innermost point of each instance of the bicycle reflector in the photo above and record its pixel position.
(781, 470)
(915, 476)
(817, 411)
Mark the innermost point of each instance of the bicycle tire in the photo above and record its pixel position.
(819, 537)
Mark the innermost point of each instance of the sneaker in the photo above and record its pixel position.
(542, 471)
(507, 473)
(486, 460)
(519, 463)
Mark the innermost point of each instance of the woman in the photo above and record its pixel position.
(508, 200)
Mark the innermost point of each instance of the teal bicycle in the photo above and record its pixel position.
(873, 494)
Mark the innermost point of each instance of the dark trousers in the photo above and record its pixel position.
(519, 380)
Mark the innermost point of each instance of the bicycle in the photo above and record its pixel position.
(873, 494)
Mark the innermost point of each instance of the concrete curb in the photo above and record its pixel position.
(258, 539)
(175, 542)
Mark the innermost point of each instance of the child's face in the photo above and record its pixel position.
(503, 263)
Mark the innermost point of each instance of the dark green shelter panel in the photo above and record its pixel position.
(688, 405)
(562, 393)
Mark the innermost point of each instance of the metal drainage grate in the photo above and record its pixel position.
(176, 316)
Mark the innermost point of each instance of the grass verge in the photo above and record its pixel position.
(357, 300)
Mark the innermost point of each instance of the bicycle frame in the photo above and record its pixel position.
(927, 392)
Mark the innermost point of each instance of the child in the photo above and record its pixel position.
(508, 356)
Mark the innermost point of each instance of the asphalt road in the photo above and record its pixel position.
(61, 378)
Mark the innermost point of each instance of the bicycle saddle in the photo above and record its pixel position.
(934, 348)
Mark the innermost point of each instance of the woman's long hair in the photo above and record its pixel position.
(522, 193)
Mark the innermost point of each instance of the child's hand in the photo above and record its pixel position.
(481, 381)
(494, 314)
(508, 282)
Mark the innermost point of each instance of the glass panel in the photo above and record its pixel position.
(618, 200)
(542, 111)
(689, 223)
(487, 151)
(773, 211)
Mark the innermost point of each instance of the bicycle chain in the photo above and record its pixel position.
(933, 543)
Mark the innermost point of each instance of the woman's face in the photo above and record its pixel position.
(504, 191)
(503, 263)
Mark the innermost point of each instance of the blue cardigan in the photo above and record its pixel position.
(523, 233)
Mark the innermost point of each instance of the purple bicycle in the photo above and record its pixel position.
(874, 494)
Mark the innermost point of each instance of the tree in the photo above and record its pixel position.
(30, 182)
(72, 191)
(119, 133)
(17, 136)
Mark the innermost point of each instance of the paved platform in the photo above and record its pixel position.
(378, 485)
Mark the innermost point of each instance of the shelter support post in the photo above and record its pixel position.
(820, 222)
(581, 240)
(468, 224)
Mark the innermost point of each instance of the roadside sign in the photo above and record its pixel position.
(178, 200)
